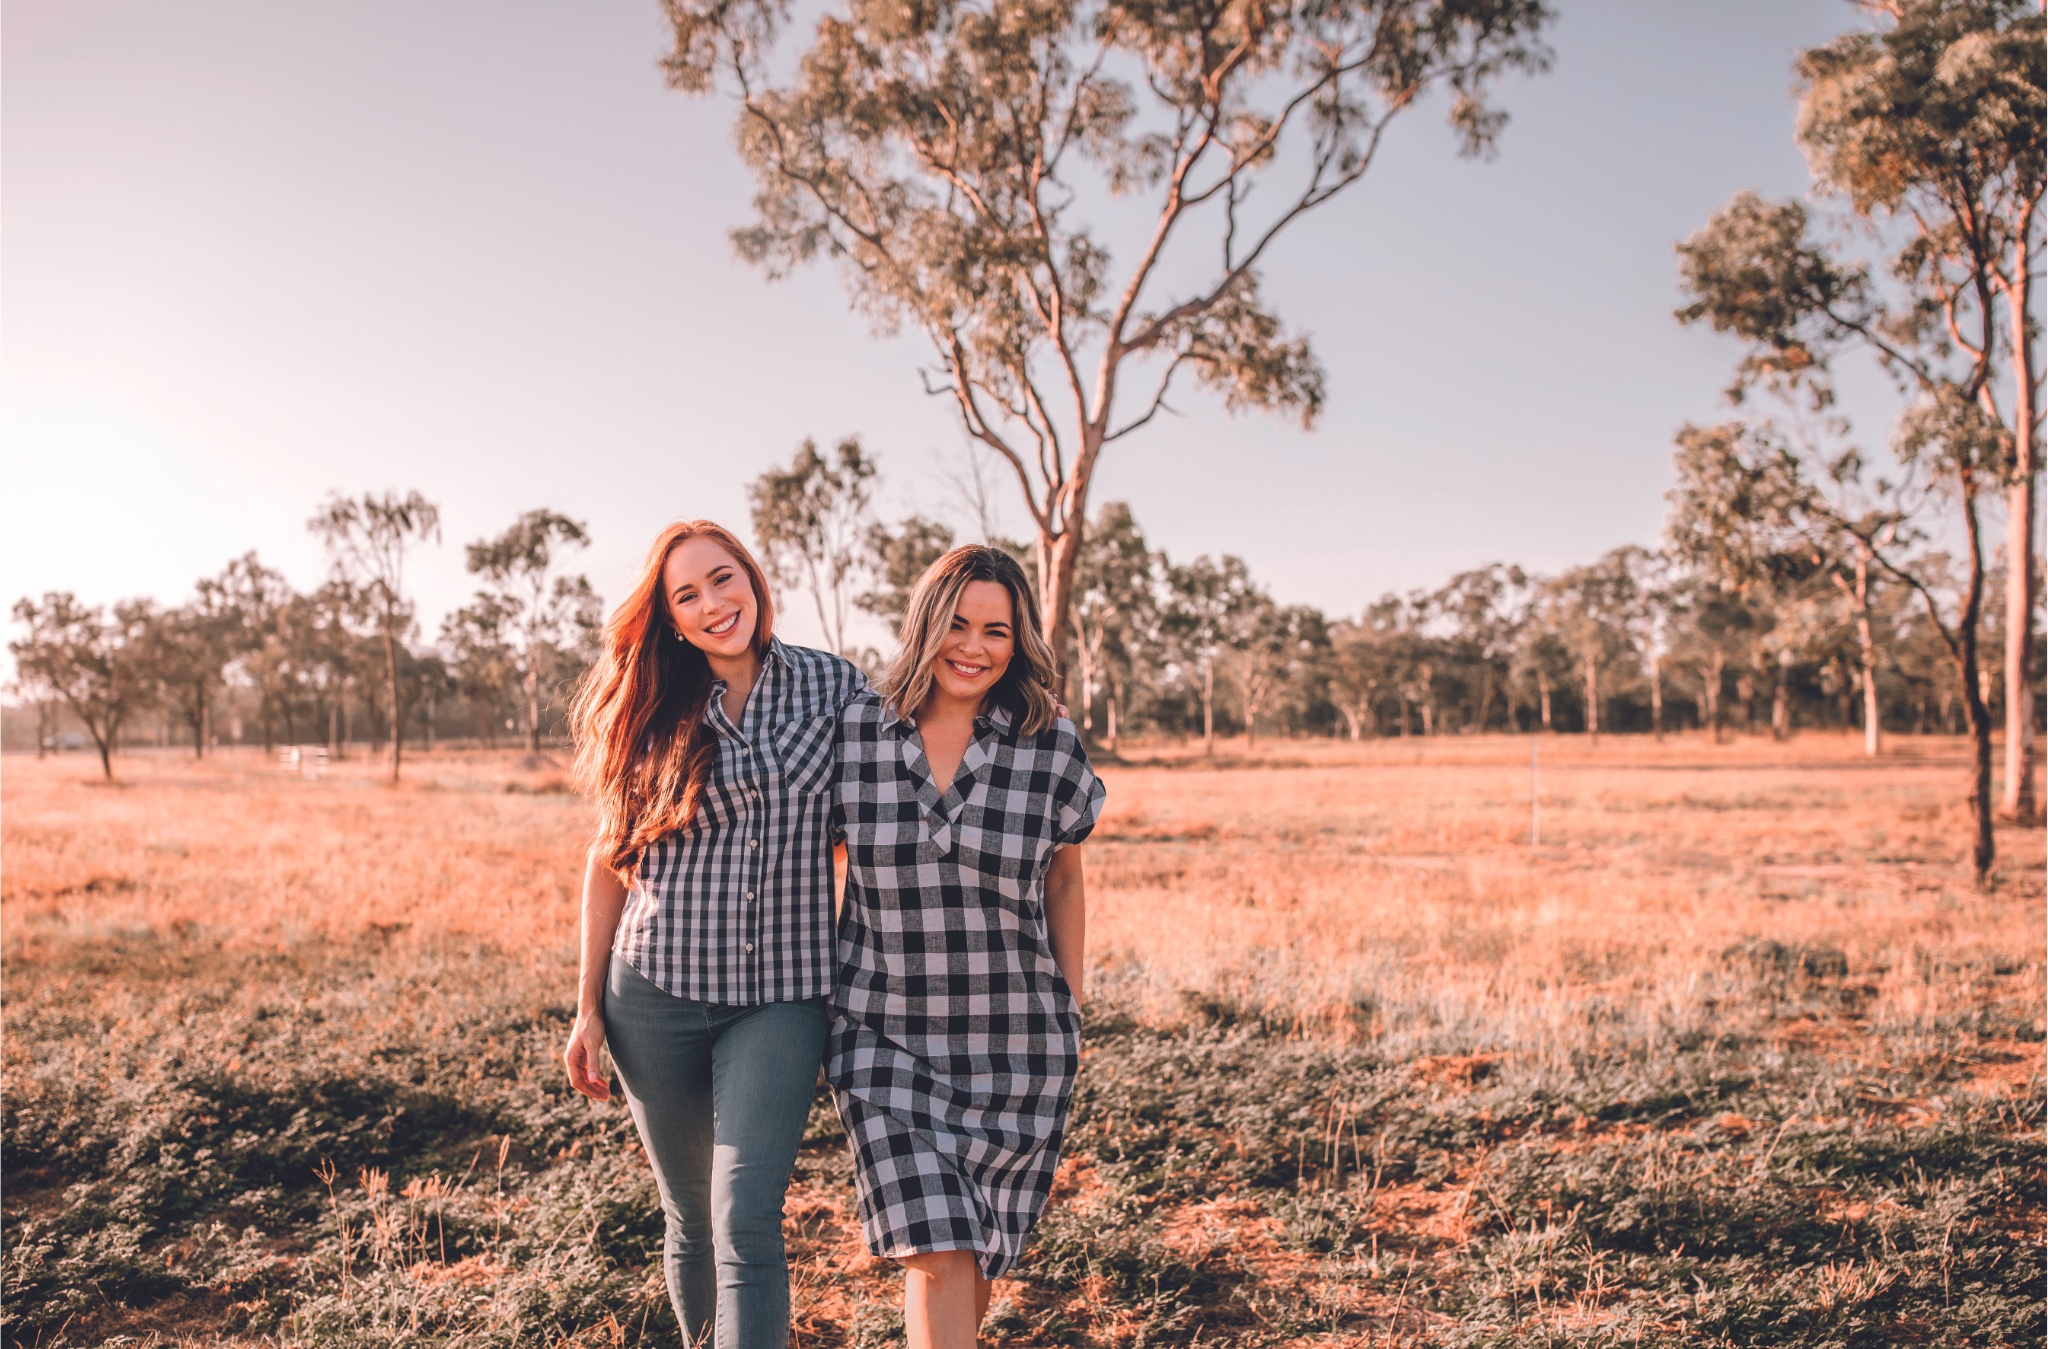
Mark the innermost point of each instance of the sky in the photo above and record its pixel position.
(253, 252)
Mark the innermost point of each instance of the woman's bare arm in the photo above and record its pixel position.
(1066, 916)
(604, 899)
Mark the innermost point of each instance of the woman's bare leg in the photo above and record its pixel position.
(944, 1299)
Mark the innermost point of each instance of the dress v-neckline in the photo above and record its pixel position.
(943, 806)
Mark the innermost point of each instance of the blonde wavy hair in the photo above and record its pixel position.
(1025, 688)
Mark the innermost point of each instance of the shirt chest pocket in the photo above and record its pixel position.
(803, 753)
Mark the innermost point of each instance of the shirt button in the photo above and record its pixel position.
(753, 843)
(750, 946)
(750, 896)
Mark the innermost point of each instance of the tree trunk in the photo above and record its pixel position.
(1745, 693)
(334, 730)
(1983, 850)
(2019, 798)
(1056, 560)
(532, 699)
(1781, 710)
(1110, 709)
(391, 681)
(1543, 693)
(106, 756)
(1710, 690)
(1087, 689)
(1208, 705)
(2020, 557)
(1656, 696)
(1866, 651)
(1592, 697)
(1356, 721)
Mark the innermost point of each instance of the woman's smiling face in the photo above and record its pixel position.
(979, 645)
(709, 598)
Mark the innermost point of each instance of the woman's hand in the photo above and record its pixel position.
(604, 898)
(585, 1055)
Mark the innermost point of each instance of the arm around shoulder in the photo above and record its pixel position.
(1066, 916)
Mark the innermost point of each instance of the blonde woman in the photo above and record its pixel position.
(956, 1023)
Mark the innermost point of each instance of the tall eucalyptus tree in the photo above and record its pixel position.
(958, 160)
(1927, 130)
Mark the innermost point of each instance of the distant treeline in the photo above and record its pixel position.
(1635, 641)
(1638, 640)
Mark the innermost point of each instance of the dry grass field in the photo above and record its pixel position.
(1733, 1055)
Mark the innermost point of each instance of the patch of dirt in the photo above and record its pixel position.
(1456, 1070)
(472, 1271)
(1416, 1216)
(2005, 1074)
(1807, 1033)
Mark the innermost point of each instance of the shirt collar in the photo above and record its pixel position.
(998, 719)
(775, 655)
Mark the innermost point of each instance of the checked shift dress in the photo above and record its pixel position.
(954, 1039)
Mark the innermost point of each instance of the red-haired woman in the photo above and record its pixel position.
(707, 746)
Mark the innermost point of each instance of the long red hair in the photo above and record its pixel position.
(643, 751)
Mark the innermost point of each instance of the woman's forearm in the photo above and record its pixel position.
(1066, 917)
(604, 899)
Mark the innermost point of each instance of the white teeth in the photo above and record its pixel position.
(968, 671)
(722, 628)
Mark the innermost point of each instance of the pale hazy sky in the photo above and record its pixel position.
(255, 250)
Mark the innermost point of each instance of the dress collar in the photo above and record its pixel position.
(997, 718)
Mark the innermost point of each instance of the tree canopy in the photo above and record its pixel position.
(953, 157)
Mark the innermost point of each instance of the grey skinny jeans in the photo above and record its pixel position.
(720, 1096)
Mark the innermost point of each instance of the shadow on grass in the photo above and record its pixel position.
(373, 1145)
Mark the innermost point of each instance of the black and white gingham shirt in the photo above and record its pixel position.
(736, 907)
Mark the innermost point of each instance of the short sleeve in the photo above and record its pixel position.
(852, 682)
(1077, 793)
